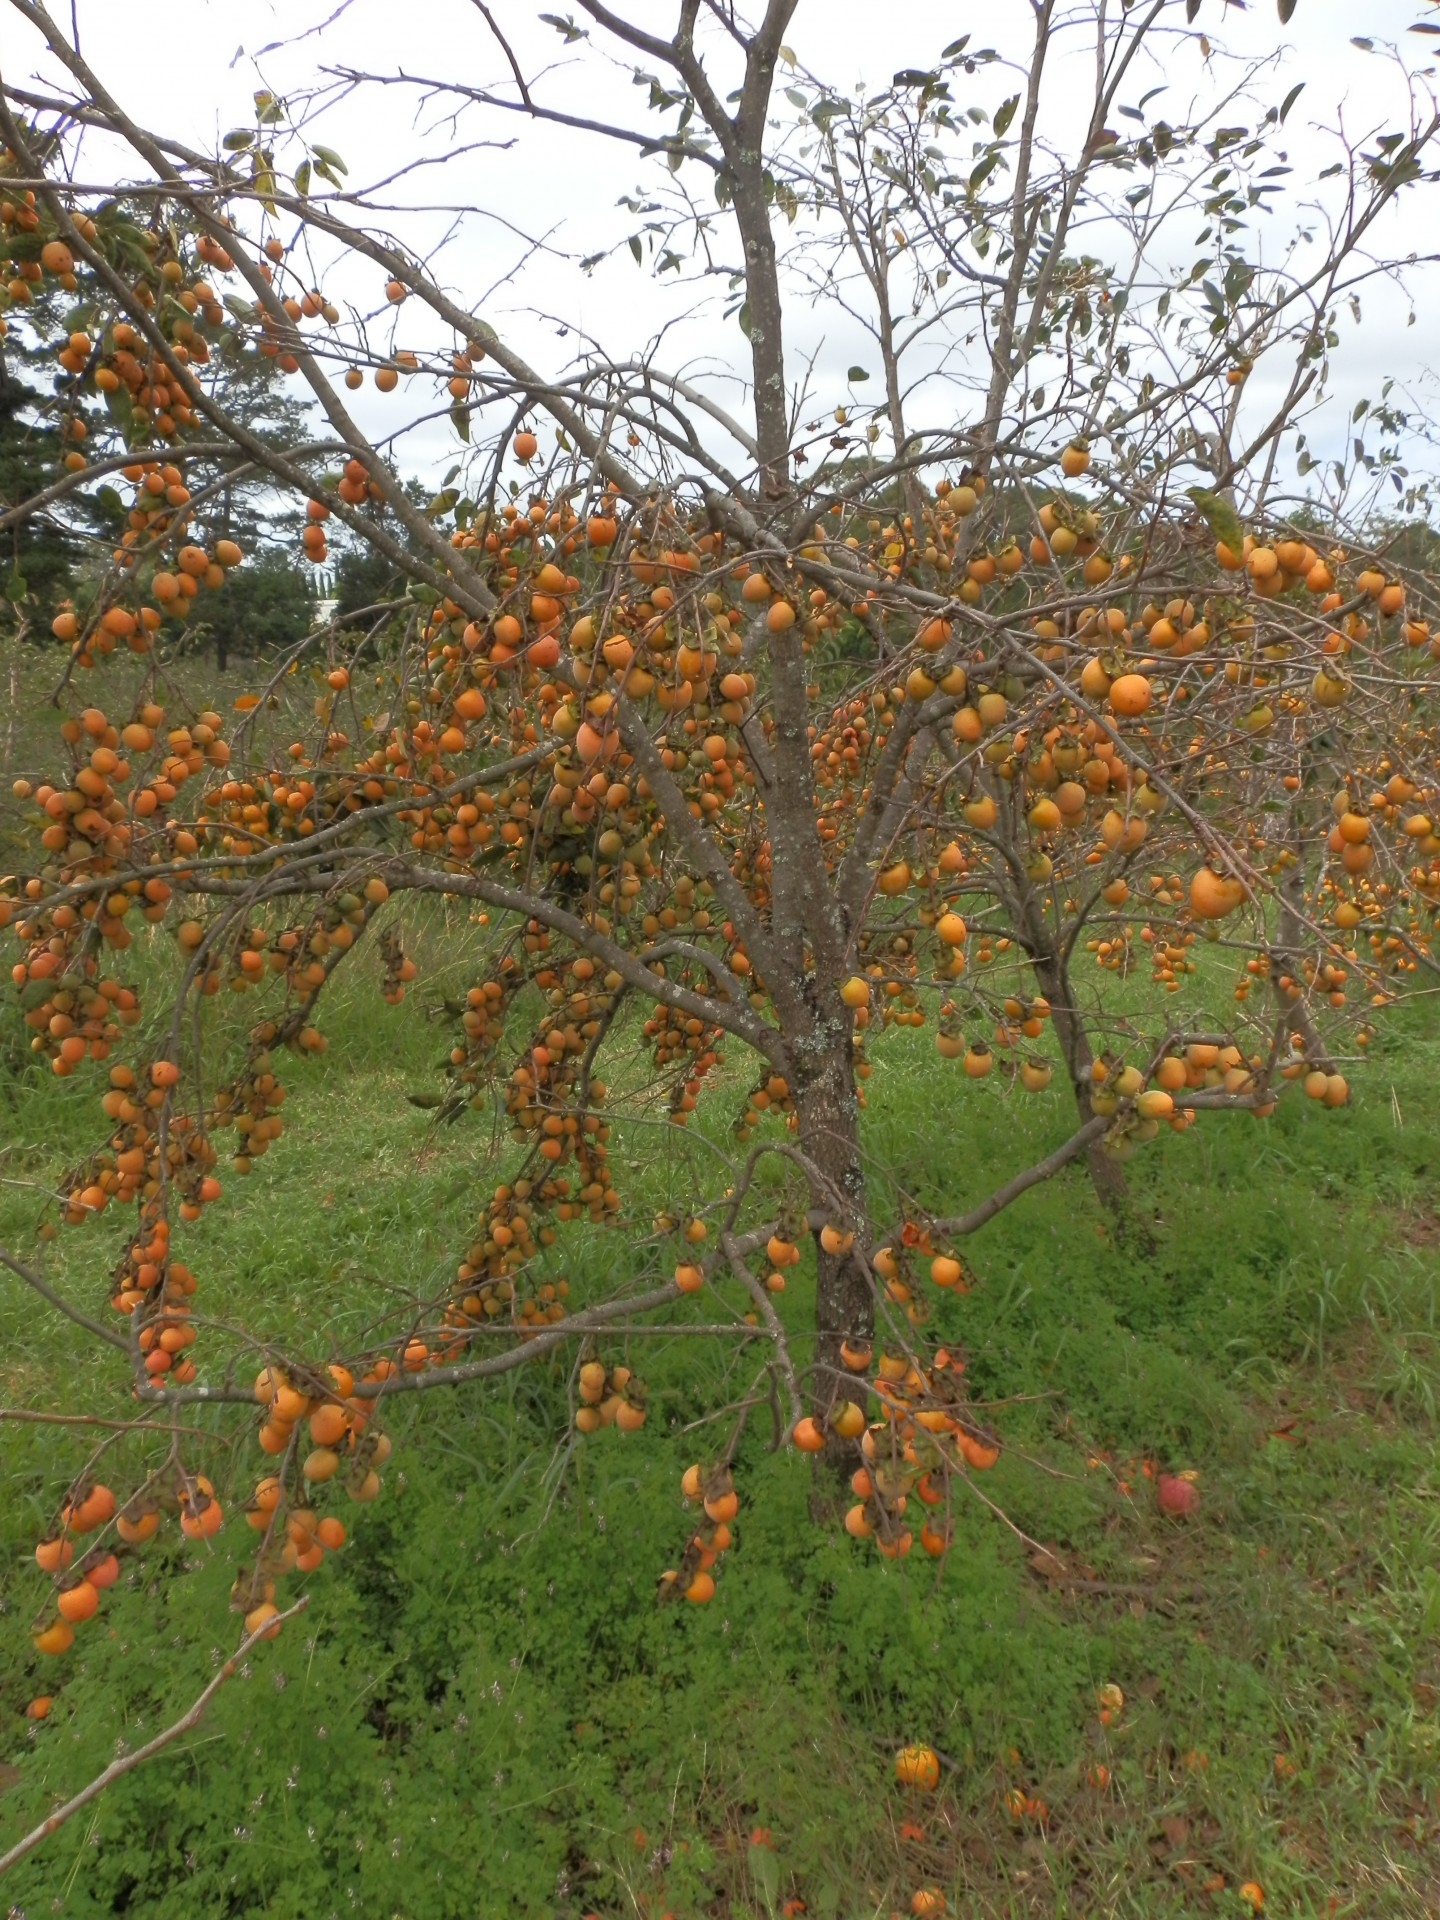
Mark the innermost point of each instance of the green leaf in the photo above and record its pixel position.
(120, 408)
(743, 316)
(1220, 517)
(1005, 114)
(263, 176)
(636, 248)
(302, 178)
(765, 1872)
(239, 140)
(856, 374)
(1291, 97)
(460, 420)
(328, 157)
(567, 27)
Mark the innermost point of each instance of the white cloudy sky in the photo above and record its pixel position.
(566, 186)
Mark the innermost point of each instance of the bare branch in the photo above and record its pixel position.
(128, 1762)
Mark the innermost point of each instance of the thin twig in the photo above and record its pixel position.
(977, 1217)
(735, 1256)
(31, 1417)
(128, 1762)
(62, 1305)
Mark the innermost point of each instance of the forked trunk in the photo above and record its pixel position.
(1106, 1176)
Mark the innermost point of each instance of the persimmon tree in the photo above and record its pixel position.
(744, 731)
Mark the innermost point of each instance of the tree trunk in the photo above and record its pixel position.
(1053, 977)
(1285, 952)
(829, 1115)
(222, 649)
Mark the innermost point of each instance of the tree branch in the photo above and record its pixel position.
(128, 1762)
(62, 1305)
(971, 1222)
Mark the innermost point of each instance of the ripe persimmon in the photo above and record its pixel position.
(1214, 895)
(77, 1601)
(1130, 694)
(918, 1767)
(260, 1618)
(847, 1418)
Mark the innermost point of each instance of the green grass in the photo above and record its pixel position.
(485, 1712)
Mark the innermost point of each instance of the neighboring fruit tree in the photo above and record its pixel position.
(759, 732)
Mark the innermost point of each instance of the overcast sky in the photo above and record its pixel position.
(561, 187)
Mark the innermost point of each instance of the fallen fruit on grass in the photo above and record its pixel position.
(1176, 1495)
(918, 1767)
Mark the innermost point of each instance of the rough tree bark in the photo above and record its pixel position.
(1052, 975)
